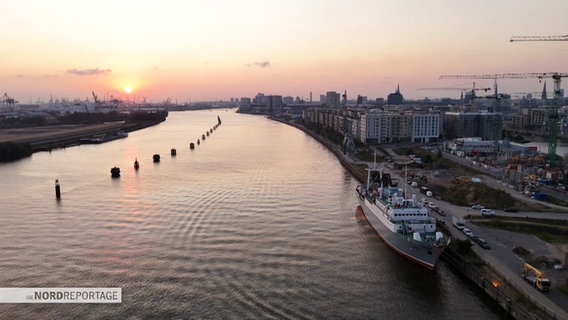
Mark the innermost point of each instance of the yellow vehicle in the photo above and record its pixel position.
(536, 278)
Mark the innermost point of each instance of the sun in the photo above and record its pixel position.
(128, 89)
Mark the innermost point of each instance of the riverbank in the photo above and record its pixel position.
(22, 142)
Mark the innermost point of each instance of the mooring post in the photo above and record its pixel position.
(57, 189)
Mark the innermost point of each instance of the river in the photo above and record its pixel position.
(258, 222)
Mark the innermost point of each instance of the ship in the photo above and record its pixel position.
(103, 138)
(401, 222)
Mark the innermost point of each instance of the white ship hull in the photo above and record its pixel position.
(423, 253)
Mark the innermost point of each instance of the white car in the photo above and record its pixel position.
(487, 212)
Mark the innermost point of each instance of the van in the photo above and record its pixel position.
(487, 212)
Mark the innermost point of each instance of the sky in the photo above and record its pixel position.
(197, 50)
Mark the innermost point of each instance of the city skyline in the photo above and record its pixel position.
(222, 49)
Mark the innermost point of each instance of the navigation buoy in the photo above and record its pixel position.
(115, 172)
(57, 189)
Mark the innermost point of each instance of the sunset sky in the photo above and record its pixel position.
(222, 49)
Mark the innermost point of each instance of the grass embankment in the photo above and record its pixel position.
(467, 193)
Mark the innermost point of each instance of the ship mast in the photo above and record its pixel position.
(369, 169)
(405, 179)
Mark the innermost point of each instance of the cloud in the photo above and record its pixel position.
(88, 72)
(262, 64)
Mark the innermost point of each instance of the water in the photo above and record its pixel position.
(259, 221)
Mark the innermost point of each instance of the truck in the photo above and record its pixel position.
(535, 278)
(458, 223)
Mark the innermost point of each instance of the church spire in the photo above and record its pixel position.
(543, 97)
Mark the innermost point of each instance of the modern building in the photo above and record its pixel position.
(374, 127)
(333, 99)
(426, 127)
(486, 125)
(245, 105)
(273, 104)
(401, 127)
(377, 126)
(470, 146)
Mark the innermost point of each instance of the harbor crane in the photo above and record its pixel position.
(539, 38)
(96, 98)
(7, 100)
(553, 111)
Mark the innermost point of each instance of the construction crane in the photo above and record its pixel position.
(553, 114)
(553, 111)
(539, 38)
(472, 90)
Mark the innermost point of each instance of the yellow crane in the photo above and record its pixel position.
(536, 278)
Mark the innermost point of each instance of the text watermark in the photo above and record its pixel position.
(60, 295)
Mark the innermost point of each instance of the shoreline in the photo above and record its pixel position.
(47, 138)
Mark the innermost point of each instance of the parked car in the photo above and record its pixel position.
(467, 232)
(487, 212)
(477, 207)
(442, 213)
(482, 243)
(511, 209)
